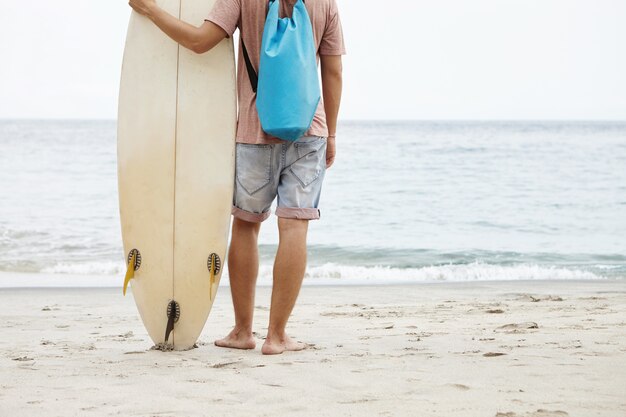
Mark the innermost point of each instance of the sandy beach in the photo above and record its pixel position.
(493, 349)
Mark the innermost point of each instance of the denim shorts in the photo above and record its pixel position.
(291, 171)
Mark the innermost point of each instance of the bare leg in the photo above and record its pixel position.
(289, 268)
(243, 267)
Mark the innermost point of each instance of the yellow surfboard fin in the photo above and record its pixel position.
(212, 273)
(130, 270)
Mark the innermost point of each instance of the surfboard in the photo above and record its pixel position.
(176, 162)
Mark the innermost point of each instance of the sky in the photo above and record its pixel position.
(415, 60)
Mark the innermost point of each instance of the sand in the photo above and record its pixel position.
(497, 349)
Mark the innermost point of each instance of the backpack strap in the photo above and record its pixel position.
(254, 78)
(252, 74)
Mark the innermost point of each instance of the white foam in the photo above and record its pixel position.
(87, 268)
(111, 274)
(331, 273)
(340, 274)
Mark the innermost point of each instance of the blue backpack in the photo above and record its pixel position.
(287, 84)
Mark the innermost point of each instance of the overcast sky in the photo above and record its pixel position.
(438, 59)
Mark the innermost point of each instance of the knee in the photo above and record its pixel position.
(292, 225)
(243, 226)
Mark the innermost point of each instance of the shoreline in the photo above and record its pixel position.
(37, 280)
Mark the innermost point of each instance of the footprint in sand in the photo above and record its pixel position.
(518, 327)
(493, 354)
(539, 413)
(338, 314)
(358, 401)
(87, 346)
(537, 298)
(222, 365)
(548, 413)
(23, 359)
(459, 386)
(385, 326)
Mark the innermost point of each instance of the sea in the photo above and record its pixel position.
(405, 202)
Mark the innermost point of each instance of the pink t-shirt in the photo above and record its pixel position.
(230, 14)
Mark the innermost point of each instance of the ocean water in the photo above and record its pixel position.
(404, 202)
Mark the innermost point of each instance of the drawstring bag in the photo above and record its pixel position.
(287, 87)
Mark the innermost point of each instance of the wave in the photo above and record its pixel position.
(339, 265)
(476, 271)
(340, 274)
(86, 268)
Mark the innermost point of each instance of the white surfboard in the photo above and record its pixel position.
(176, 159)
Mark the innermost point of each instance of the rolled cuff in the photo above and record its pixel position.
(248, 216)
(298, 213)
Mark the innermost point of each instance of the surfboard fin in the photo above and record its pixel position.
(134, 260)
(212, 273)
(173, 313)
(214, 265)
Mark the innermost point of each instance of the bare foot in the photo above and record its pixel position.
(277, 346)
(237, 339)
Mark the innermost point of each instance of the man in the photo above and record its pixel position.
(268, 167)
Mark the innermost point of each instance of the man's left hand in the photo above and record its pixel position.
(331, 151)
(143, 7)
